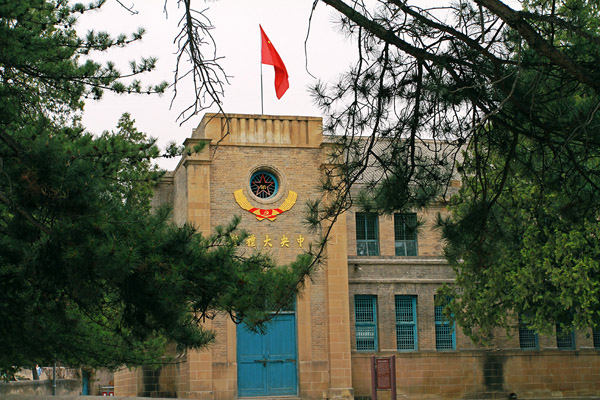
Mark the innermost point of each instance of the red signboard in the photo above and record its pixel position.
(384, 374)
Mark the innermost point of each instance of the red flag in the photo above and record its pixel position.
(271, 57)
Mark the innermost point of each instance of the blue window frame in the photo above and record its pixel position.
(365, 319)
(406, 323)
(367, 237)
(405, 234)
(565, 340)
(528, 338)
(596, 335)
(445, 338)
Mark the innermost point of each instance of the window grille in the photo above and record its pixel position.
(528, 339)
(596, 334)
(444, 330)
(365, 317)
(367, 238)
(565, 340)
(406, 323)
(405, 234)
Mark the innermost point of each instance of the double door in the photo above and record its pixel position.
(267, 363)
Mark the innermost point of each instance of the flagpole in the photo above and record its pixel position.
(262, 112)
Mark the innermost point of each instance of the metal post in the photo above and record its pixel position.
(54, 379)
(373, 379)
(262, 111)
(393, 375)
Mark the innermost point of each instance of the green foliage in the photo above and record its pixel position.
(504, 100)
(533, 250)
(524, 229)
(88, 275)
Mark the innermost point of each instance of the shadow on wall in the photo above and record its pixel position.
(493, 379)
(158, 381)
(493, 372)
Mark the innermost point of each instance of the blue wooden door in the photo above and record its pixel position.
(85, 378)
(267, 362)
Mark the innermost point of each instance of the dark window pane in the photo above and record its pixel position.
(371, 227)
(410, 227)
(363, 307)
(373, 248)
(404, 309)
(564, 339)
(361, 248)
(400, 248)
(365, 338)
(528, 339)
(405, 337)
(406, 323)
(405, 234)
(443, 337)
(444, 332)
(411, 248)
(366, 234)
(365, 322)
(360, 227)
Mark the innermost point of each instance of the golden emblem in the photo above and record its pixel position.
(260, 213)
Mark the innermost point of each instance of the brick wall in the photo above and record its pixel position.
(297, 164)
(487, 374)
(126, 382)
(469, 371)
(179, 196)
(202, 192)
(151, 381)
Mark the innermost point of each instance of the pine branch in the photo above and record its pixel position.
(24, 213)
(516, 21)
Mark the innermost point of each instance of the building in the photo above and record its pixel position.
(373, 297)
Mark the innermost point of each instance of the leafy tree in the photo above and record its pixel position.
(505, 100)
(532, 251)
(88, 275)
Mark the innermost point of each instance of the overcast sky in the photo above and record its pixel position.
(238, 39)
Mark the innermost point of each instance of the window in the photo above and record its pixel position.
(406, 322)
(596, 334)
(565, 340)
(263, 184)
(365, 317)
(367, 240)
(444, 329)
(528, 339)
(405, 234)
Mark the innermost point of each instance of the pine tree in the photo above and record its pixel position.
(88, 275)
(502, 99)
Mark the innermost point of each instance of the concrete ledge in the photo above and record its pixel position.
(72, 397)
(46, 397)
(20, 389)
(388, 260)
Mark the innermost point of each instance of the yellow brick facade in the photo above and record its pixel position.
(201, 190)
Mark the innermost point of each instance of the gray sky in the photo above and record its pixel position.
(238, 41)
